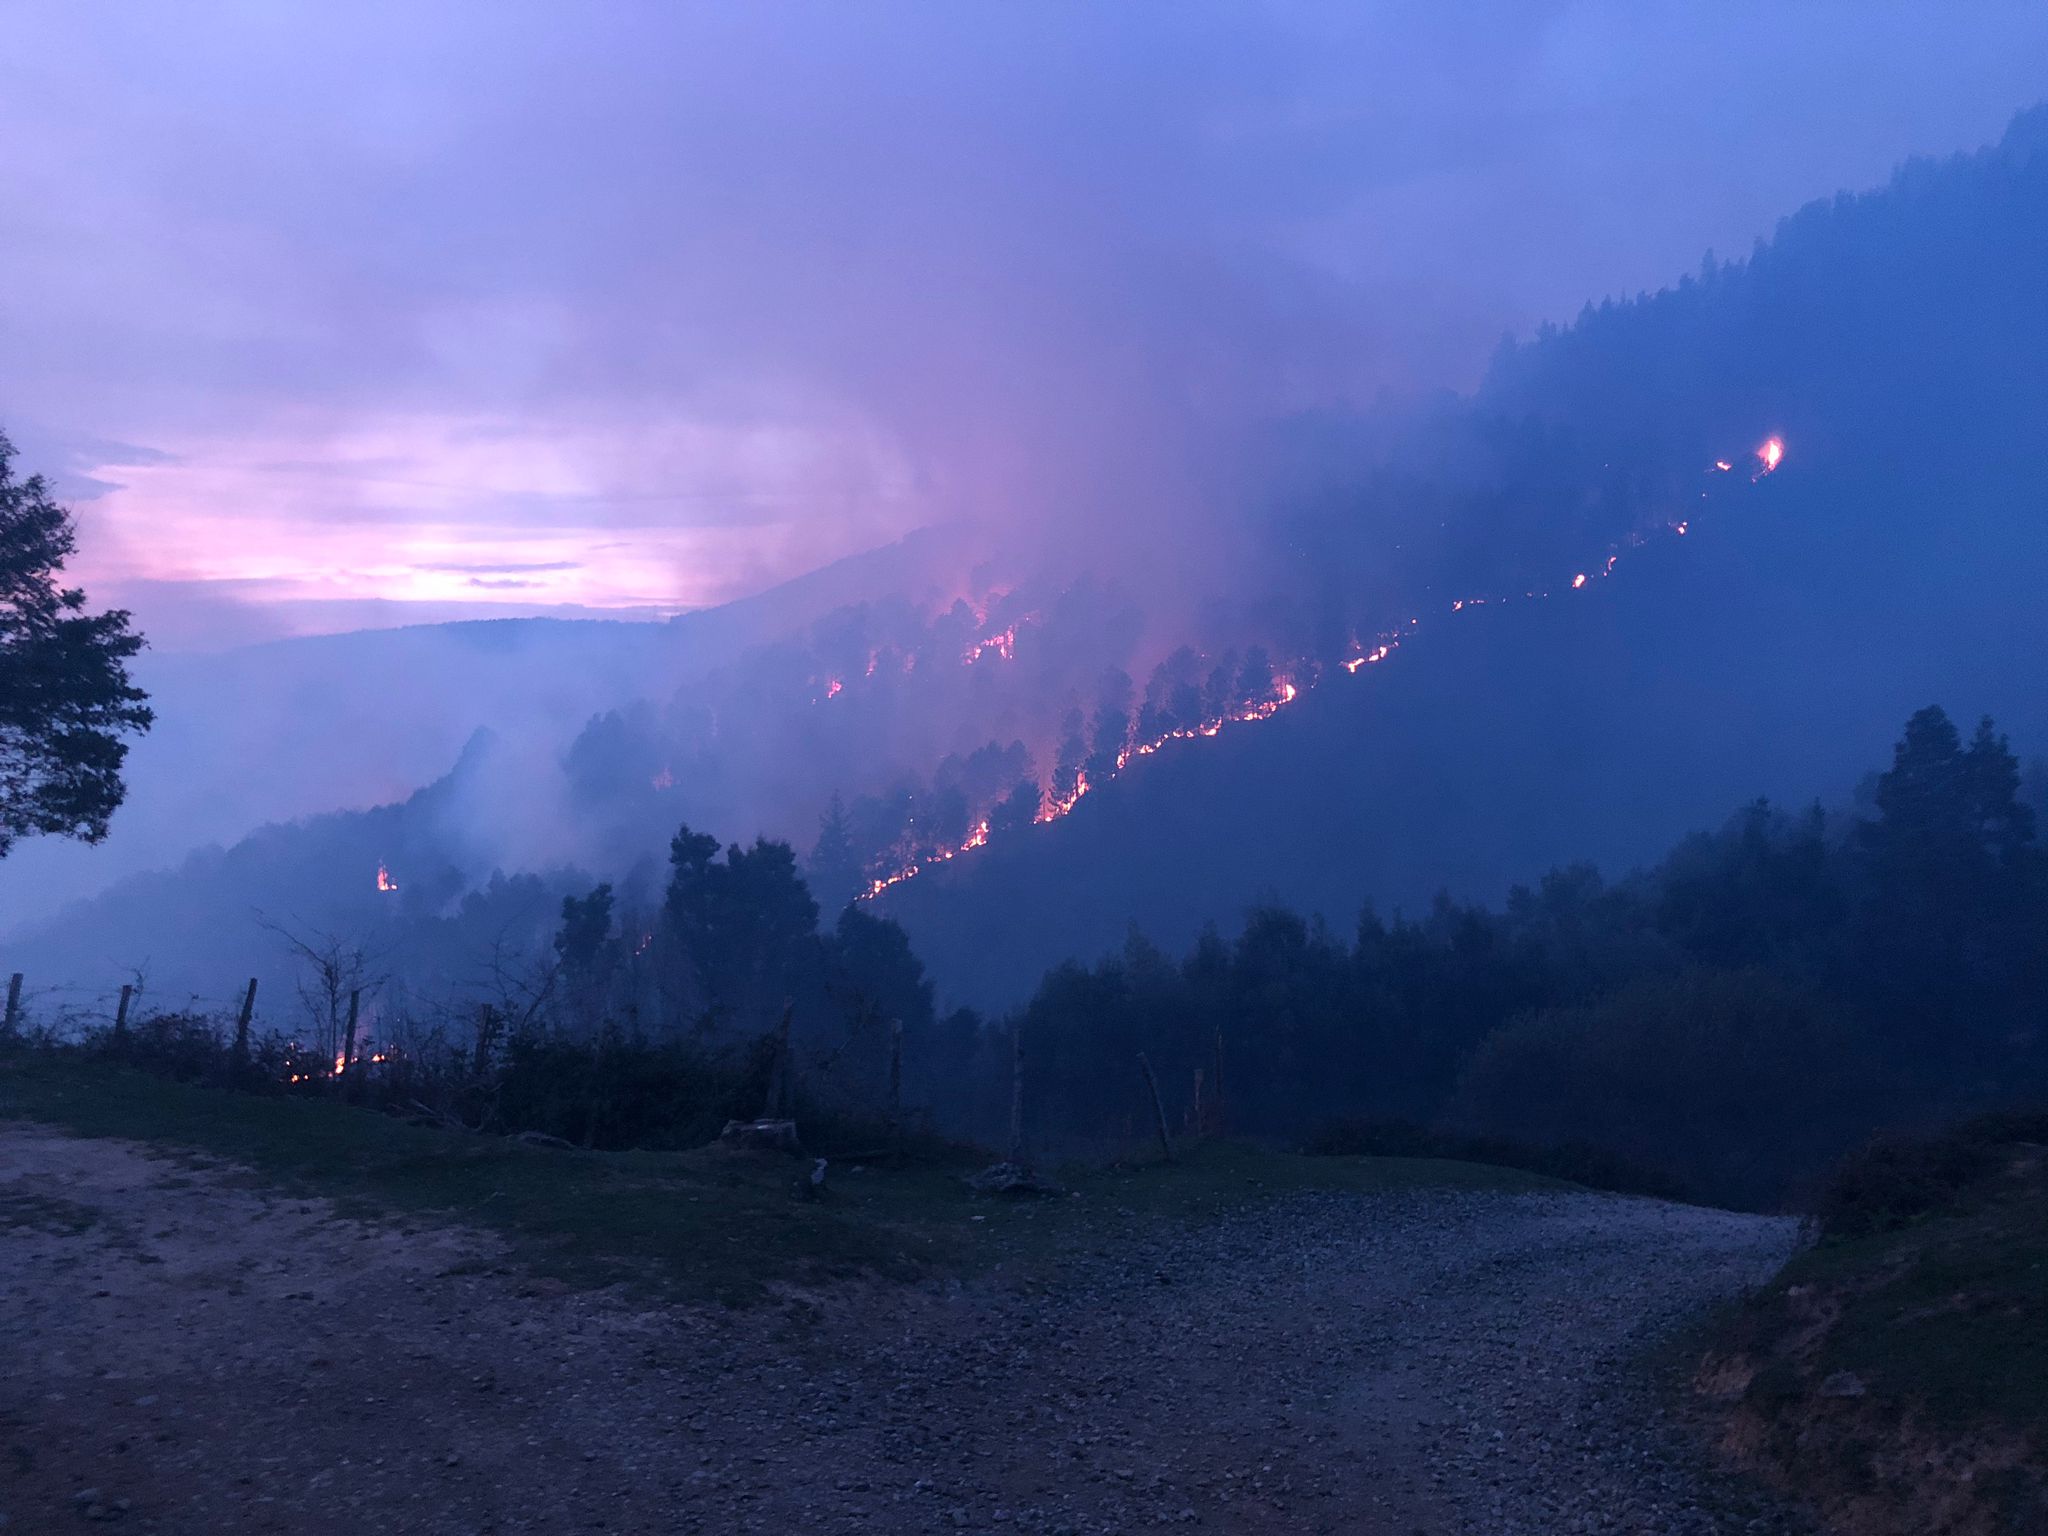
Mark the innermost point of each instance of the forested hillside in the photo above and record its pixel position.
(1898, 343)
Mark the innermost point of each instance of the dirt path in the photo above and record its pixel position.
(181, 1353)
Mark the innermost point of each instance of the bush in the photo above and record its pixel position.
(184, 1046)
(622, 1093)
(1737, 1082)
(1574, 1162)
(1894, 1179)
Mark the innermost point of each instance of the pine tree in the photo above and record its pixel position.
(834, 869)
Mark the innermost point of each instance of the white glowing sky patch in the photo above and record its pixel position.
(454, 511)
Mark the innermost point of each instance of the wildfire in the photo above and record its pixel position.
(833, 688)
(384, 880)
(1003, 644)
(342, 1064)
(663, 780)
(975, 839)
(1056, 806)
(1053, 807)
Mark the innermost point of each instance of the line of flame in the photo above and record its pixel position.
(1769, 456)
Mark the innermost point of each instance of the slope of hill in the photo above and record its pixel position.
(1898, 340)
(292, 728)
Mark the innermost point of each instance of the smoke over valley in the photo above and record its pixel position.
(1048, 768)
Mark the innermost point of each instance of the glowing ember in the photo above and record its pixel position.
(1003, 645)
(975, 839)
(384, 880)
(1053, 806)
(832, 689)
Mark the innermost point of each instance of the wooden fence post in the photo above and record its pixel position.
(786, 1061)
(485, 1038)
(777, 1104)
(348, 1046)
(1158, 1107)
(1219, 1080)
(1017, 1096)
(895, 1081)
(13, 1004)
(121, 1012)
(242, 1025)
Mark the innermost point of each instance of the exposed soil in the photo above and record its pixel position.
(1899, 1379)
(186, 1353)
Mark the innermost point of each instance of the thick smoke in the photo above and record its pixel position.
(665, 307)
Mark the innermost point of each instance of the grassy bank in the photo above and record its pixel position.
(697, 1224)
(1897, 1372)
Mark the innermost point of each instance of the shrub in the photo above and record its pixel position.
(1574, 1162)
(1737, 1082)
(1893, 1179)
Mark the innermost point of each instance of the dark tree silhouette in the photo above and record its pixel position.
(834, 868)
(748, 925)
(586, 924)
(65, 697)
(1015, 812)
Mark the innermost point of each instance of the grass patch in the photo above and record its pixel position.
(700, 1224)
(1919, 1340)
(1949, 1314)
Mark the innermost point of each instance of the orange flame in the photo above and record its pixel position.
(384, 880)
(1053, 807)
(1004, 644)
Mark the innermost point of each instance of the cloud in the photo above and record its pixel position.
(532, 565)
(753, 287)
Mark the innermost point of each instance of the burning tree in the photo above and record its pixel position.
(334, 972)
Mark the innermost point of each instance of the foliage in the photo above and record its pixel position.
(65, 696)
(1725, 1022)
(1573, 1162)
(1912, 1337)
(1897, 1178)
(1737, 1078)
(1732, 1018)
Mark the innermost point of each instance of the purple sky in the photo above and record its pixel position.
(333, 315)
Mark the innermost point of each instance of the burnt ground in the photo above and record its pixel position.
(185, 1351)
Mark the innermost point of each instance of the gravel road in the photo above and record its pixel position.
(183, 1354)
